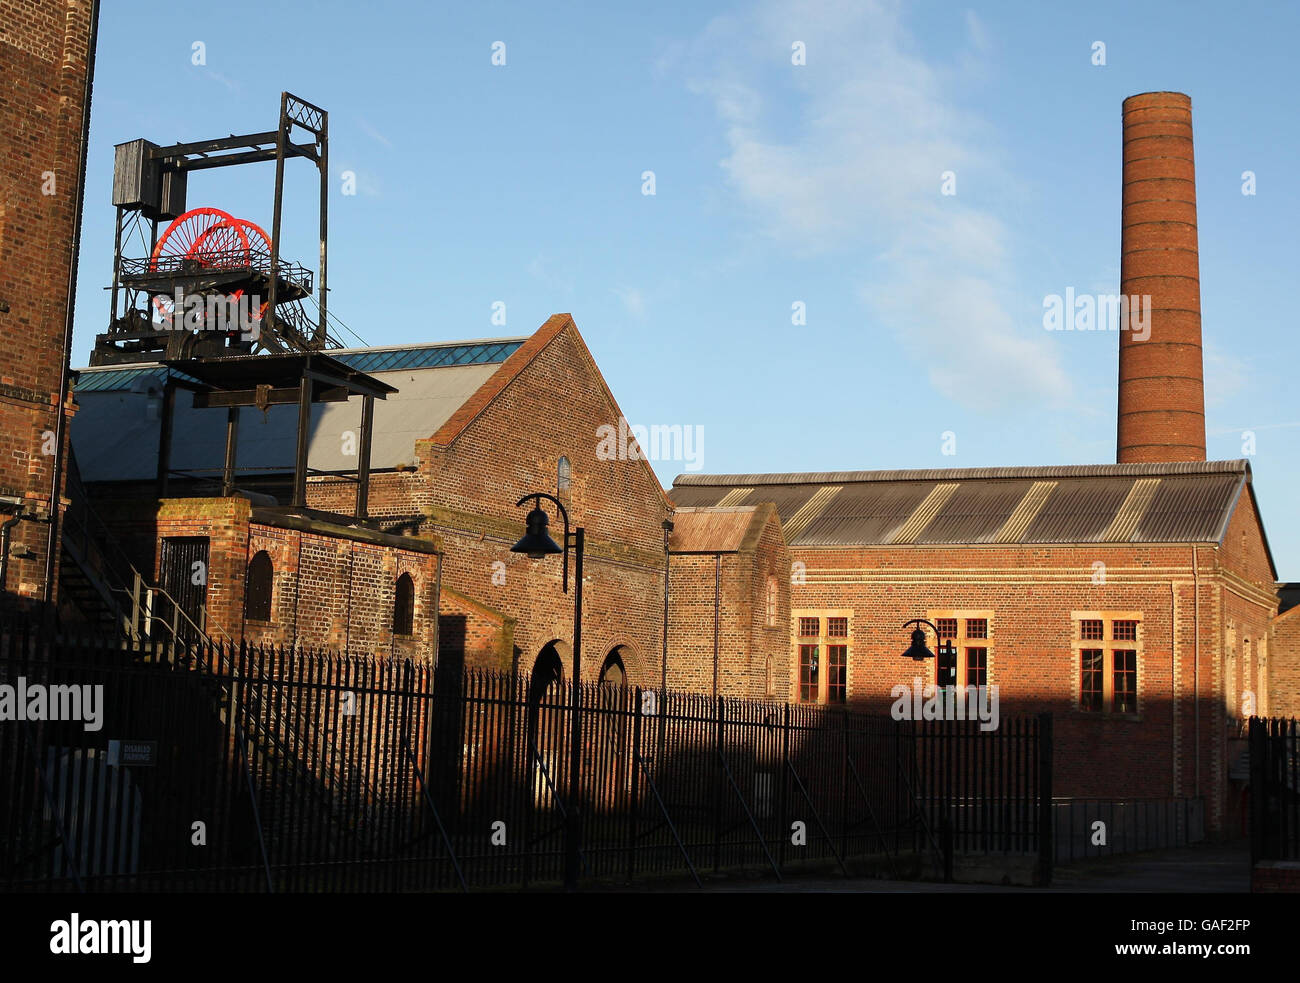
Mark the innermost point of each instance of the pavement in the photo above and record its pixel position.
(1210, 868)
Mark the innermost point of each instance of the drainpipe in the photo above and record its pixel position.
(1173, 683)
(717, 599)
(663, 664)
(1196, 666)
(60, 422)
(437, 616)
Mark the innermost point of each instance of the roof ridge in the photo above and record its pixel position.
(505, 374)
(1133, 469)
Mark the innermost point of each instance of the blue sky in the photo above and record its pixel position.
(775, 184)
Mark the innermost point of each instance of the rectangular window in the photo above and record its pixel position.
(1125, 698)
(1108, 679)
(837, 666)
(821, 652)
(968, 664)
(1090, 682)
(808, 672)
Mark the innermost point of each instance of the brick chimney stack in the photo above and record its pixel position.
(1161, 382)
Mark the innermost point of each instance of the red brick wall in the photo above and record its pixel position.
(466, 489)
(44, 53)
(769, 669)
(471, 634)
(1284, 665)
(753, 657)
(329, 591)
(1275, 877)
(1031, 593)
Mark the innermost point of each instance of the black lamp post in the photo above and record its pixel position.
(946, 668)
(537, 543)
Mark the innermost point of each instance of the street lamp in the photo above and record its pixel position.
(536, 544)
(945, 673)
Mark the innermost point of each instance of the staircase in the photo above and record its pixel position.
(101, 583)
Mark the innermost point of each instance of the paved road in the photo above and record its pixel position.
(1214, 868)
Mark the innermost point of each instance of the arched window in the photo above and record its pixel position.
(563, 476)
(404, 606)
(771, 601)
(257, 587)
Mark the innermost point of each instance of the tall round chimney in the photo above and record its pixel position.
(1161, 386)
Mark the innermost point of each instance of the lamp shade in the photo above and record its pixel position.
(917, 649)
(537, 542)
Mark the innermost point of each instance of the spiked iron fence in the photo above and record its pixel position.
(237, 768)
(1274, 789)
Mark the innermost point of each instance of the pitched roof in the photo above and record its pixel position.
(505, 373)
(510, 370)
(722, 529)
(1106, 503)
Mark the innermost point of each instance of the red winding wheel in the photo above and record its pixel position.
(215, 240)
(209, 235)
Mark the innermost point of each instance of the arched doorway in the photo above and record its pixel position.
(548, 724)
(610, 732)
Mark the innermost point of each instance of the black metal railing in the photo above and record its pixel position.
(1274, 789)
(235, 260)
(1088, 828)
(317, 772)
(140, 611)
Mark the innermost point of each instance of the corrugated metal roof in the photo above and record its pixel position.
(1038, 472)
(975, 513)
(854, 517)
(1184, 501)
(1190, 509)
(1079, 510)
(710, 530)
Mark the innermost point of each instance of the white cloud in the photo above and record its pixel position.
(543, 269)
(374, 134)
(633, 300)
(856, 175)
(1225, 374)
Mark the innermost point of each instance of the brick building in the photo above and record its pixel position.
(469, 429)
(46, 56)
(1283, 667)
(1136, 601)
(1131, 600)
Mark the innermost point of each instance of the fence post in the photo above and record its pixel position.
(1256, 738)
(844, 787)
(636, 785)
(1046, 839)
(783, 827)
(717, 790)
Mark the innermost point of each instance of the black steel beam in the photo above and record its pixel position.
(300, 461)
(363, 453)
(277, 397)
(354, 386)
(165, 436)
(231, 142)
(232, 441)
(248, 157)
